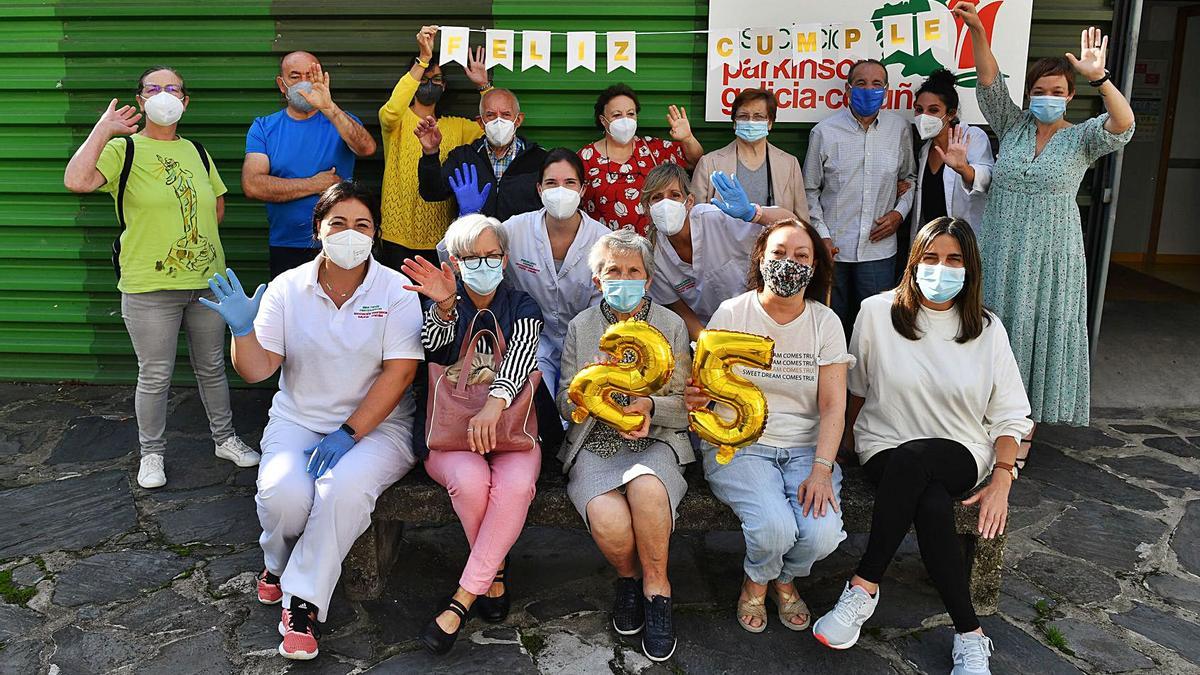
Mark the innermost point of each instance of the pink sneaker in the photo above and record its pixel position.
(269, 592)
(301, 630)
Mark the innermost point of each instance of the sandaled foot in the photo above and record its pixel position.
(1023, 454)
(793, 612)
(752, 611)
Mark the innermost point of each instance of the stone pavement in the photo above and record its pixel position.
(1102, 573)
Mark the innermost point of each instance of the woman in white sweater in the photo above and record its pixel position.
(937, 405)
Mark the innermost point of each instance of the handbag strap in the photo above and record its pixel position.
(497, 337)
(469, 358)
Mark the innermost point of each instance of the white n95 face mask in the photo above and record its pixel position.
(668, 216)
(560, 202)
(623, 129)
(928, 126)
(347, 249)
(500, 132)
(163, 109)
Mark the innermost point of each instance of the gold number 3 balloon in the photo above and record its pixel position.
(717, 352)
(593, 387)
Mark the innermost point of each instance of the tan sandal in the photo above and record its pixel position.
(756, 608)
(790, 609)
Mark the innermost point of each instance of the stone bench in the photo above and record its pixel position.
(417, 500)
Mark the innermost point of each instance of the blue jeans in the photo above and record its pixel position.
(761, 484)
(854, 282)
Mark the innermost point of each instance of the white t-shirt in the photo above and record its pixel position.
(934, 387)
(802, 346)
(332, 356)
(721, 247)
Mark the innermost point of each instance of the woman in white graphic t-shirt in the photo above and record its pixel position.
(785, 487)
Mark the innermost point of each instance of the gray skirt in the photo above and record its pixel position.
(593, 475)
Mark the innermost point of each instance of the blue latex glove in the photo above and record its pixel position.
(232, 304)
(464, 182)
(733, 201)
(327, 453)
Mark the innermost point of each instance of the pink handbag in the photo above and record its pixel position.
(451, 405)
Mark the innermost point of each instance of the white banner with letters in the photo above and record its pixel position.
(803, 50)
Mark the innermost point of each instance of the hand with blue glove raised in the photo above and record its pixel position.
(232, 303)
(327, 453)
(465, 184)
(733, 198)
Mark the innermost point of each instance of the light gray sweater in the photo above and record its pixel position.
(581, 347)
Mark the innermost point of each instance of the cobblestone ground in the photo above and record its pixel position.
(98, 575)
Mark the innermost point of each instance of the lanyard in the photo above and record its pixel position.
(770, 179)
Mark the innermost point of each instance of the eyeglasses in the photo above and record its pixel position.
(756, 117)
(472, 262)
(172, 89)
(436, 79)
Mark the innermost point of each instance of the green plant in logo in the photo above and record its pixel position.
(922, 60)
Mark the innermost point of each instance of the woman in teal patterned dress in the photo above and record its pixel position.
(1032, 243)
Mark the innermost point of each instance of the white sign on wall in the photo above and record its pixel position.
(803, 50)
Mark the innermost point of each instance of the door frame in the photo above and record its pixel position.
(1164, 155)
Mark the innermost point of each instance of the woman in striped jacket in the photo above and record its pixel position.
(491, 492)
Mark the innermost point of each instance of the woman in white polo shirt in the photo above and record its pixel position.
(940, 406)
(701, 251)
(347, 336)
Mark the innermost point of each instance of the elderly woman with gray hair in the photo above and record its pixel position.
(490, 491)
(627, 486)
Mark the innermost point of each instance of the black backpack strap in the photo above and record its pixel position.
(122, 183)
(203, 155)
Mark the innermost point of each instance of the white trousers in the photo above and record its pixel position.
(309, 526)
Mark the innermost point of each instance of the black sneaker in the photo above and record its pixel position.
(629, 612)
(658, 642)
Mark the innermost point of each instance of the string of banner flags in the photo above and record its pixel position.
(725, 46)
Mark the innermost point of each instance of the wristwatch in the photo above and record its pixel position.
(349, 429)
(1106, 78)
(1010, 468)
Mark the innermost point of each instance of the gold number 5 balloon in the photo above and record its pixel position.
(593, 387)
(717, 352)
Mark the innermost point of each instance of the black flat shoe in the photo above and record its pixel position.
(495, 610)
(439, 641)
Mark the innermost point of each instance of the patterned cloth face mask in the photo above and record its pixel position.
(785, 277)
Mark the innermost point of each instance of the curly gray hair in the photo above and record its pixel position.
(621, 241)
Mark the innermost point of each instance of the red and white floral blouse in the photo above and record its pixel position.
(614, 191)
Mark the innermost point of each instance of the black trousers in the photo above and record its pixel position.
(393, 255)
(917, 484)
(284, 258)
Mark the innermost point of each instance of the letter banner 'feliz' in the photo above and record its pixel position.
(803, 51)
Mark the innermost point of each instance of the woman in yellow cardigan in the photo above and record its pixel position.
(411, 225)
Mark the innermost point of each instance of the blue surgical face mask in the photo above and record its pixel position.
(939, 283)
(483, 280)
(750, 131)
(623, 295)
(866, 102)
(1047, 109)
(296, 100)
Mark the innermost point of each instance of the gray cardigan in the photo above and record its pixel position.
(581, 347)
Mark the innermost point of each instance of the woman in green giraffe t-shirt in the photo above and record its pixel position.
(170, 199)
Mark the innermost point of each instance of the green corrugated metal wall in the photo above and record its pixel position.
(62, 62)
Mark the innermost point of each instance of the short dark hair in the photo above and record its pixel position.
(749, 96)
(940, 83)
(863, 62)
(822, 281)
(618, 89)
(567, 155)
(154, 69)
(1048, 67)
(340, 192)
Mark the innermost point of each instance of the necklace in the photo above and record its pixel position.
(333, 292)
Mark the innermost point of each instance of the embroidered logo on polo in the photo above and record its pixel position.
(685, 285)
(528, 266)
(370, 312)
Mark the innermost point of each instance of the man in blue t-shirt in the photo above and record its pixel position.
(294, 154)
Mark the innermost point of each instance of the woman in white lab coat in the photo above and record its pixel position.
(701, 251)
(548, 255)
(954, 164)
